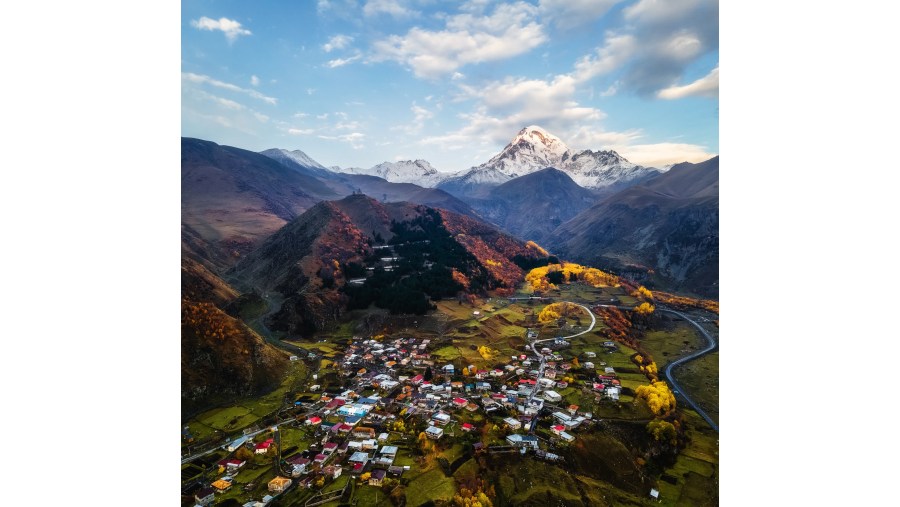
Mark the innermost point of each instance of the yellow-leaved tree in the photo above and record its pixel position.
(658, 397)
(644, 309)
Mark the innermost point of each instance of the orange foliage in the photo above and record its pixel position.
(642, 293)
(682, 302)
(460, 278)
(531, 245)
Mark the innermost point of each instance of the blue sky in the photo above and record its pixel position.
(358, 82)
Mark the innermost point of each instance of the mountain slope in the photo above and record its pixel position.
(532, 206)
(221, 358)
(233, 198)
(298, 161)
(419, 172)
(668, 225)
(309, 261)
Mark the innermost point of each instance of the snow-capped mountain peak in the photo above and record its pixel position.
(534, 148)
(419, 172)
(531, 150)
(297, 156)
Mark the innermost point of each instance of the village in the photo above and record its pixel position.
(385, 404)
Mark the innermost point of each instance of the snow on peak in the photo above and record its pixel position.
(297, 156)
(419, 172)
(534, 148)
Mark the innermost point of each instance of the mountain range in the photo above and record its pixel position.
(280, 225)
(667, 227)
(532, 149)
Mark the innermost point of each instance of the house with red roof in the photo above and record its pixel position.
(467, 427)
(459, 402)
(559, 428)
(263, 447)
(314, 420)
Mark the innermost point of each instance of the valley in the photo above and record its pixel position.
(516, 334)
(531, 401)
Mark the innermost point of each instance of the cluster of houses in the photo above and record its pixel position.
(351, 430)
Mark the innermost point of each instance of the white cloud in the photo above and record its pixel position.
(421, 114)
(467, 38)
(616, 51)
(254, 81)
(337, 42)
(354, 139)
(229, 104)
(340, 62)
(394, 8)
(231, 28)
(572, 13)
(706, 86)
(323, 116)
(660, 154)
(613, 88)
(300, 115)
(203, 79)
(300, 132)
(261, 117)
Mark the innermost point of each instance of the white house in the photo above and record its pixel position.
(434, 432)
(552, 396)
(514, 424)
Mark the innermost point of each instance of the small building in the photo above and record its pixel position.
(263, 447)
(522, 441)
(434, 432)
(364, 432)
(382, 437)
(654, 494)
(559, 428)
(237, 443)
(441, 418)
(329, 448)
(299, 465)
(221, 485)
(377, 477)
(333, 471)
(314, 420)
(467, 427)
(513, 424)
(613, 393)
(359, 457)
(565, 436)
(279, 484)
(205, 496)
(552, 396)
(459, 402)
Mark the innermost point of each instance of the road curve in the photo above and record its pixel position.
(668, 370)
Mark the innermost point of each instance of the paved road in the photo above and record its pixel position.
(544, 359)
(668, 370)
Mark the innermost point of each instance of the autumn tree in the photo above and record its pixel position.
(663, 431)
(644, 309)
(465, 371)
(658, 397)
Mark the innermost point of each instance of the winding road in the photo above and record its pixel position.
(668, 369)
(544, 358)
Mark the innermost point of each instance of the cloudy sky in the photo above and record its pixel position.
(358, 82)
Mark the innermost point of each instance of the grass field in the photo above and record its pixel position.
(666, 346)
(696, 469)
(431, 485)
(532, 482)
(700, 378)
